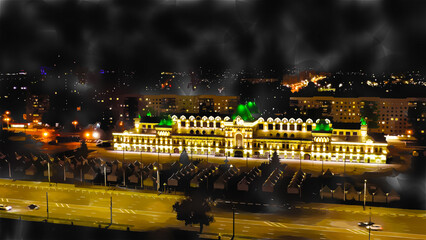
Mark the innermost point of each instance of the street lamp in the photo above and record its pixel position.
(7, 119)
(75, 124)
(158, 178)
(365, 192)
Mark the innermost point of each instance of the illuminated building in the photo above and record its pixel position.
(216, 136)
(392, 113)
(37, 105)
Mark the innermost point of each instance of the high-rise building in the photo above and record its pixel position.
(384, 115)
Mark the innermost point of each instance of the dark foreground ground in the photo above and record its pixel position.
(11, 229)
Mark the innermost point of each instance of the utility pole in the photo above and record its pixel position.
(105, 175)
(10, 172)
(365, 192)
(48, 172)
(110, 210)
(47, 205)
(369, 229)
(124, 175)
(233, 222)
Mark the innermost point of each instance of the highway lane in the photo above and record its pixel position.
(145, 211)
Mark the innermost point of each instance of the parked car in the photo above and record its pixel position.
(374, 227)
(4, 207)
(365, 224)
(33, 207)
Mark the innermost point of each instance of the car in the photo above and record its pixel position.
(375, 227)
(365, 224)
(33, 207)
(4, 207)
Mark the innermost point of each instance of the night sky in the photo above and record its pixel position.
(153, 36)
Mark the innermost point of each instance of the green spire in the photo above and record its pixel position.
(139, 116)
(246, 111)
(363, 122)
(148, 114)
(322, 126)
(166, 121)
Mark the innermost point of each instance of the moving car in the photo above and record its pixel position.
(365, 224)
(374, 227)
(3, 207)
(33, 207)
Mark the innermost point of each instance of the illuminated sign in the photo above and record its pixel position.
(17, 125)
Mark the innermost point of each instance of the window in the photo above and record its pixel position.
(270, 127)
(211, 124)
(285, 127)
(218, 125)
(191, 124)
(299, 127)
(182, 124)
(198, 124)
(309, 127)
(204, 124)
(291, 127)
(261, 126)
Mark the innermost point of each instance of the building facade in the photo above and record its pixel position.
(216, 136)
(392, 113)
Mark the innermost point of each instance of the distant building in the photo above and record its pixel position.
(291, 138)
(391, 113)
(37, 105)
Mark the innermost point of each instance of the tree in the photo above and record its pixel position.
(184, 159)
(194, 211)
(275, 160)
(83, 149)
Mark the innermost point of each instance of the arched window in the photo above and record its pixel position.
(285, 135)
(278, 135)
(292, 136)
(204, 132)
(191, 132)
(212, 132)
(197, 132)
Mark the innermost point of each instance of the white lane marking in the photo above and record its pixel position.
(126, 211)
(244, 231)
(132, 211)
(68, 206)
(220, 228)
(121, 210)
(7, 200)
(2, 200)
(62, 205)
(246, 227)
(357, 231)
(275, 224)
(57, 204)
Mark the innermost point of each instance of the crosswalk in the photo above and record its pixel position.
(62, 205)
(275, 224)
(5, 200)
(358, 231)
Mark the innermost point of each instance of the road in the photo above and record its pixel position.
(142, 211)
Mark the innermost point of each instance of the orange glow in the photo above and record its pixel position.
(7, 112)
(409, 132)
(45, 134)
(121, 123)
(7, 119)
(74, 123)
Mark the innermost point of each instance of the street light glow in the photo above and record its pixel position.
(95, 135)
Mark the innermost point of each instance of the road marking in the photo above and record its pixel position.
(7, 200)
(274, 224)
(244, 231)
(220, 228)
(126, 211)
(62, 205)
(67, 206)
(57, 204)
(132, 211)
(2, 200)
(357, 231)
(246, 227)
(121, 210)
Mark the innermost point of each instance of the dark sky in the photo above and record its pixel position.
(153, 36)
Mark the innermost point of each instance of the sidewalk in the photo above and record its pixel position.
(91, 188)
